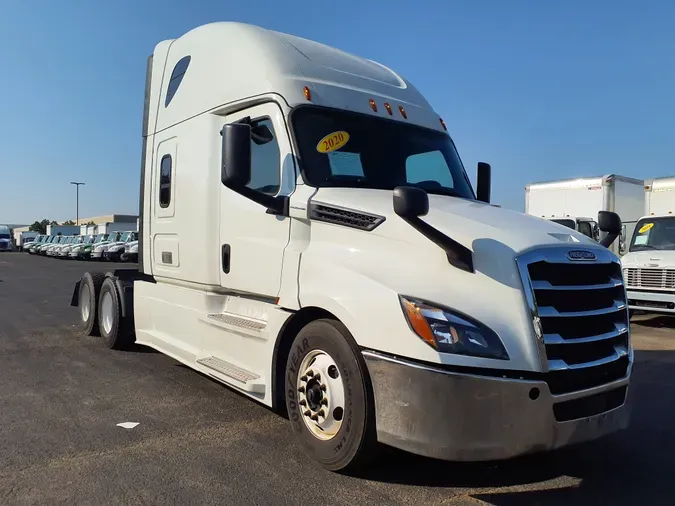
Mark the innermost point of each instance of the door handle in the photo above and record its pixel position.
(225, 254)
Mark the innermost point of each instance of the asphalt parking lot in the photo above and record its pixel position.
(198, 442)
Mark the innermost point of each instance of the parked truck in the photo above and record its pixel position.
(6, 243)
(318, 247)
(649, 267)
(575, 203)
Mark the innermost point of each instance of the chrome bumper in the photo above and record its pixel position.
(657, 302)
(462, 417)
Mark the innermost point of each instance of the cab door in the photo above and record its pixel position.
(253, 241)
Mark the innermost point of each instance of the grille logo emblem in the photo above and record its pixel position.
(581, 255)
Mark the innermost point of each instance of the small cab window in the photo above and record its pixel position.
(165, 182)
(176, 77)
(265, 158)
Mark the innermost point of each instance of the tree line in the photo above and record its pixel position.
(41, 226)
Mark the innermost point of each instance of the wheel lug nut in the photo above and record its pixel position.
(303, 402)
(323, 388)
(303, 378)
(307, 413)
(324, 402)
(322, 413)
(301, 390)
(317, 377)
(310, 373)
(315, 417)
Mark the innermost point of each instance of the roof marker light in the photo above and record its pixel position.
(443, 124)
(402, 111)
(373, 105)
(308, 94)
(388, 108)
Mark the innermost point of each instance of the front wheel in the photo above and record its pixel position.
(329, 397)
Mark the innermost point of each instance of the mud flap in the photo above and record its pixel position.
(74, 301)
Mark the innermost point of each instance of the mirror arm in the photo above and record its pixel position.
(608, 240)
(458, 255)
(275, 205)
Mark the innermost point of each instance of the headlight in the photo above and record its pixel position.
(450, 332)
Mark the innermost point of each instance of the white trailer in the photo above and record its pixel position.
(110, 227)
(318, 247)
(575, 203)
(649, 267)
(63, 230)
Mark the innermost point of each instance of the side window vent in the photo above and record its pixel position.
(345, 217)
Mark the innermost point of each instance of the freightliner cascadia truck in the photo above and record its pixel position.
(310, 238)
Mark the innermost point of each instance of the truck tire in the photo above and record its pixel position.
(87, 301)
(114, 330)
(329, 397)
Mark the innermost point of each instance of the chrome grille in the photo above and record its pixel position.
(650, 278)
(581, 313)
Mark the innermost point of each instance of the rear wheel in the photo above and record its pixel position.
(114, 330)
(90, 288)
(329, 398)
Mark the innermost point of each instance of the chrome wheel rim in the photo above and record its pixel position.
(85, 310)
(107, 312)
(321, 394)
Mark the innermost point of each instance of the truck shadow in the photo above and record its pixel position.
(656, 322)
(625, 468)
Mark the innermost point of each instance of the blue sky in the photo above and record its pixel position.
(542, 90)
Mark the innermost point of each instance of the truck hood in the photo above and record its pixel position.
(649, 259)
(467, 222)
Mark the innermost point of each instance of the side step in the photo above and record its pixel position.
(248, 381)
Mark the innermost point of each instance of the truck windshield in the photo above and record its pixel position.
(654, 233)
(114, 237)
(100, 238)
(125, 236)
(346, 149)
(566, 223)
(4, 236)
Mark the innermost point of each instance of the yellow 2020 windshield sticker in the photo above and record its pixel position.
(332, 142)
(646, 227)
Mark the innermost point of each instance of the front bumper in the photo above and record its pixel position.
(97, 254)
(653, 302)
(108, 255)
(463, 417)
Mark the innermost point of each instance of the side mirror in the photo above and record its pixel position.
(235, 171)
(610, 223)
(410, 202)
(484, 182)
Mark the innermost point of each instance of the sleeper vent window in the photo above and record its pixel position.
(176, 78)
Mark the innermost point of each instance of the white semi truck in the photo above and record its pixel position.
(575, 203)
(318, 247)
(649, 266)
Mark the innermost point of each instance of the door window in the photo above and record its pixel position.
(265, 158)
(586, 229)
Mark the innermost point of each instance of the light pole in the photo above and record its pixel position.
(77, 186)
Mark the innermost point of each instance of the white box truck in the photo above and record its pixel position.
(575, 203)
(24, 238)
(318, 247)
(649, 266)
